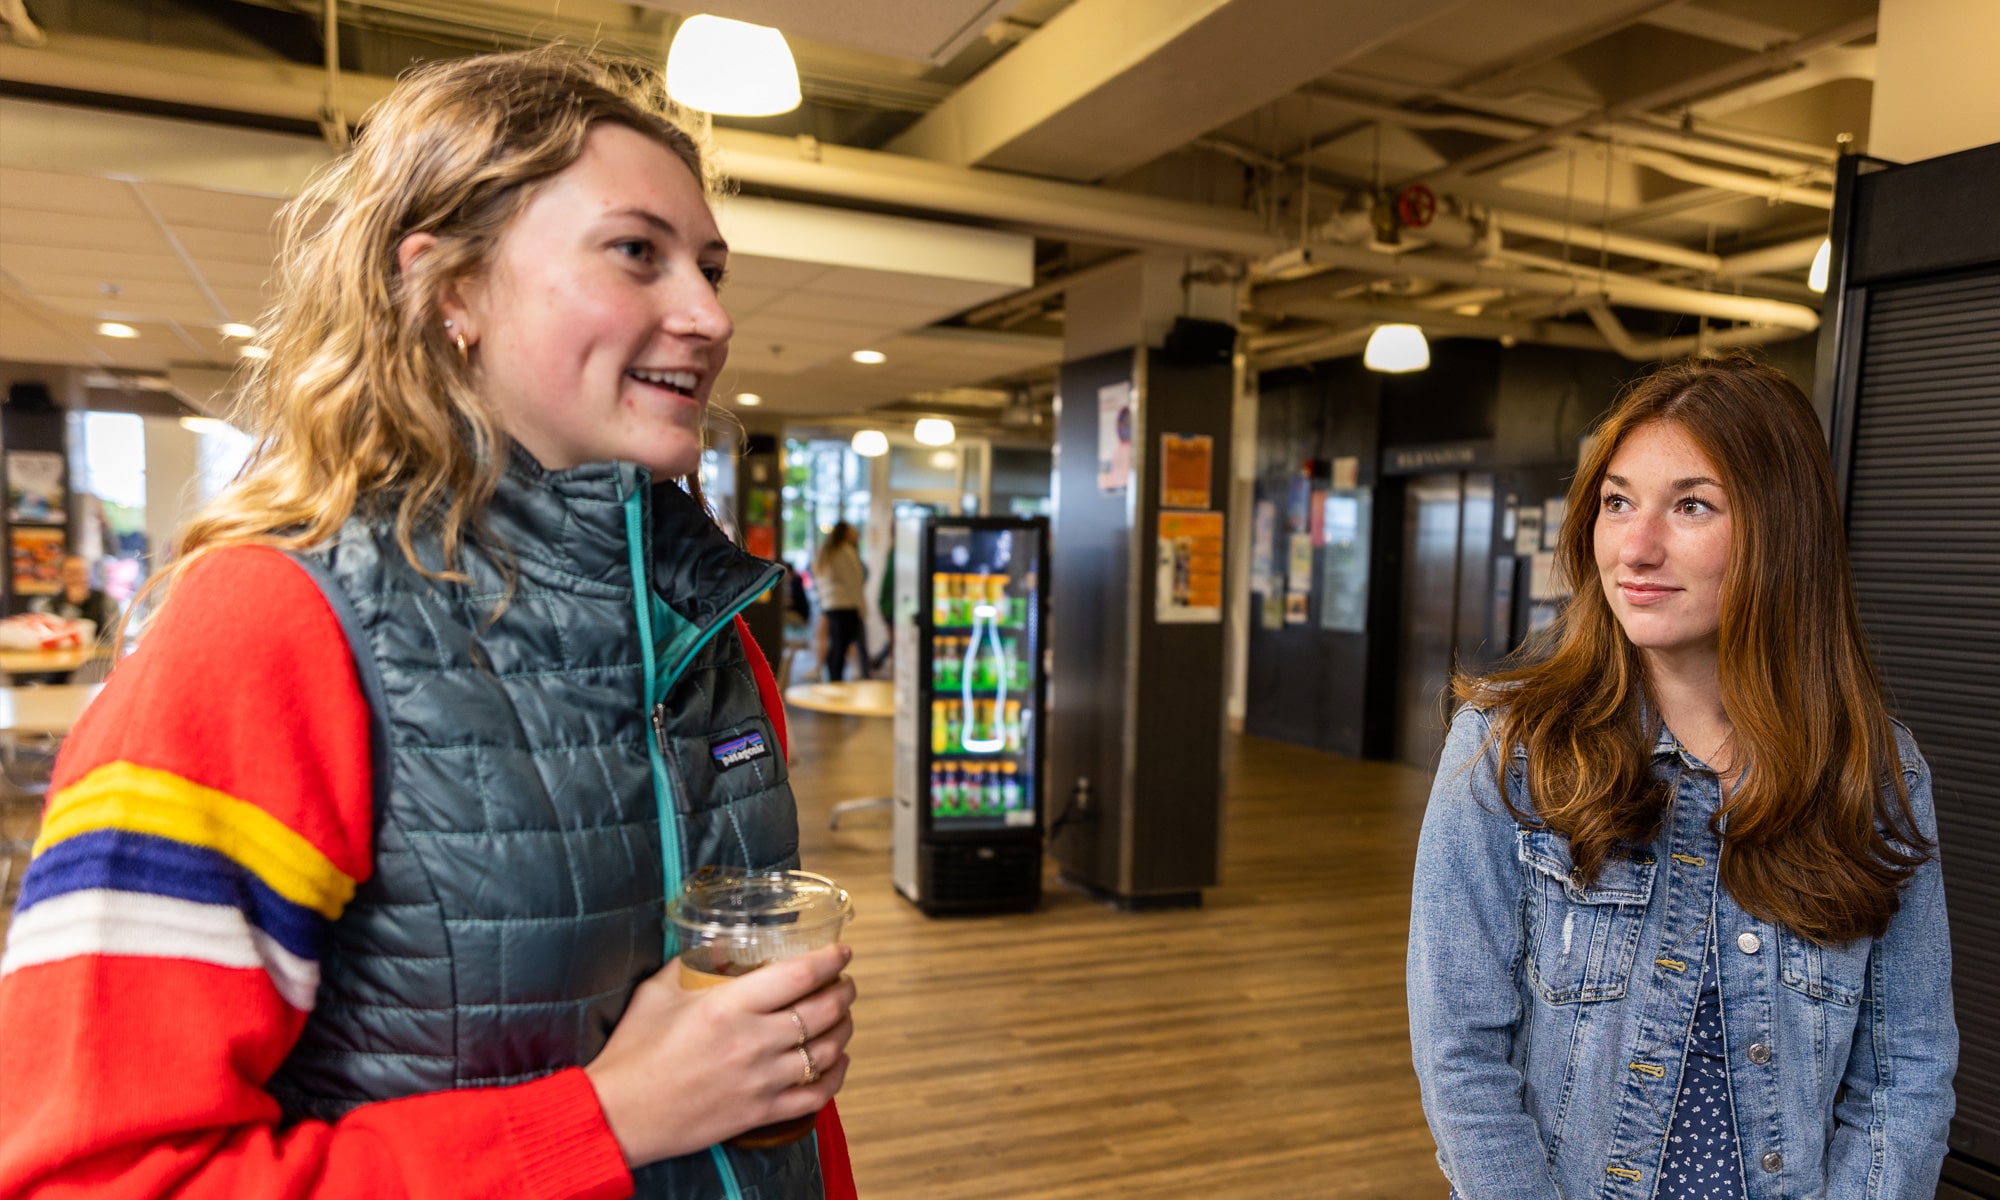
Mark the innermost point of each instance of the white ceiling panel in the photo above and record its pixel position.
(49, 191)
(73, 231)
(228, 245)
(202, 208)
(851, 309)
(106, 265)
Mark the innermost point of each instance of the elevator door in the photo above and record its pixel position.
(1431, 520)
(1447, 581)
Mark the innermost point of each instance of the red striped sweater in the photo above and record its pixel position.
(208, 818)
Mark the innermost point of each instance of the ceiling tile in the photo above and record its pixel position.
(52, 191)
(224, 245)
(97, 266)
(72, 231)
(202, 208)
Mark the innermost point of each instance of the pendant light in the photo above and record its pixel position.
(935, 431)
(732, 68)
(1396, 349)
(871, 443)
(1822, 264)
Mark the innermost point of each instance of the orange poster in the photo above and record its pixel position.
(1190, 569)
(1186, 464)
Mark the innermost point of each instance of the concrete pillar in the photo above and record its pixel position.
(1934, 78)
(1138, 582)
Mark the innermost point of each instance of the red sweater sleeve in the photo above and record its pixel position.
(208, 819)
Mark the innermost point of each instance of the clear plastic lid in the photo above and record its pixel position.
(760, 915)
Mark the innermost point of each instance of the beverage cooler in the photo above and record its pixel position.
(970, 620)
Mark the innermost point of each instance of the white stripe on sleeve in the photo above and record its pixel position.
(137, 924)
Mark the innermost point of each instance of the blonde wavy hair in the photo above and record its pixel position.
(365, 403)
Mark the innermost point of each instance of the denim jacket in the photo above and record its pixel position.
(1548, 1022)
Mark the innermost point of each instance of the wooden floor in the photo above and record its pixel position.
(1256, 1047)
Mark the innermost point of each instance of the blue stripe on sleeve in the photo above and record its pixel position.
(120, 860)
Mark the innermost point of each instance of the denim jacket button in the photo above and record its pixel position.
(1760, 1053)
(1748, 943)
(1774, 1162)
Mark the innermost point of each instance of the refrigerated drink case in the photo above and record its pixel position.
(970, 614)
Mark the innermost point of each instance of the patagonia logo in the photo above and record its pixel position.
(736, 751)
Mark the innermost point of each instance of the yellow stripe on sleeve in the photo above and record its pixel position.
(122, 795)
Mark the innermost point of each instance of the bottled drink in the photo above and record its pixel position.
(1011, 728)
(952, 727)
(937, 790)
(938, 743)
(1011, 796)
(940, 599)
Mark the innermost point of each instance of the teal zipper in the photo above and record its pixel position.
(688, 643)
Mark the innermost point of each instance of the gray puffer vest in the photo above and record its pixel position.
(525, 752)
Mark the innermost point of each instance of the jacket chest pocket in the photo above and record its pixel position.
(1581, 942)
(725, 765)
(1835, 974)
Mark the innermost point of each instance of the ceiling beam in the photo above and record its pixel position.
(1108, 85)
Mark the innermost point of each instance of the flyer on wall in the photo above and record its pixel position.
(37, 561)
(35, 486)
(1190, 569)
(1114, 437)
(1186, 465)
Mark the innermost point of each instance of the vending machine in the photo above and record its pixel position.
(971, 618)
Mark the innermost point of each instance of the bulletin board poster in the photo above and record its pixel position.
(1185, 467)
(1343, 603)
(1263, 549)
(760, 530)
(37, 561)
(35, 487)
(1114, 437)
(1190, 569)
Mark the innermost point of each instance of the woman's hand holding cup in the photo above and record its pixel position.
(688, 1067)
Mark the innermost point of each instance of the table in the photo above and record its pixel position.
(49, 709)
(861, 698)
(34, 662)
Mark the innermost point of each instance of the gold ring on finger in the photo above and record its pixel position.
(800, 1022)
(811, 1075)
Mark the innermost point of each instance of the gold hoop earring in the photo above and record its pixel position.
(464, 351)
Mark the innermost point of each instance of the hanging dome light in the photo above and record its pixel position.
(732, 68)
(1397, 349)
(871, 443)
(936, 431)
(1822, 264)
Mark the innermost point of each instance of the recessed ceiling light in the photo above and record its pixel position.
(869, 357)
(114, 329)
(237, 329)
(749, 399)
(257, 352)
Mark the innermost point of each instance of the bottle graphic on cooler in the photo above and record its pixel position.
(983, 667)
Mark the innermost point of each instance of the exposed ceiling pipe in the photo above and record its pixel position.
(1590, 237)
(1653, 349)
(1618, 289)
(1673, 166)
(1613, 286)
(1785, 256)
(1773, 61)
(332, 121)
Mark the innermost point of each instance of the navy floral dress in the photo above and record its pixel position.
(1704, 1160)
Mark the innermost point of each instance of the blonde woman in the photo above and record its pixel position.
(1678, 929)
(351, 882)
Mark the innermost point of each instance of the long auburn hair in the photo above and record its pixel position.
(364, 401)
(1818, 835)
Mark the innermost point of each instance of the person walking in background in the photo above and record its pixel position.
(352, 881)
(1678, 924)
(842, 581)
